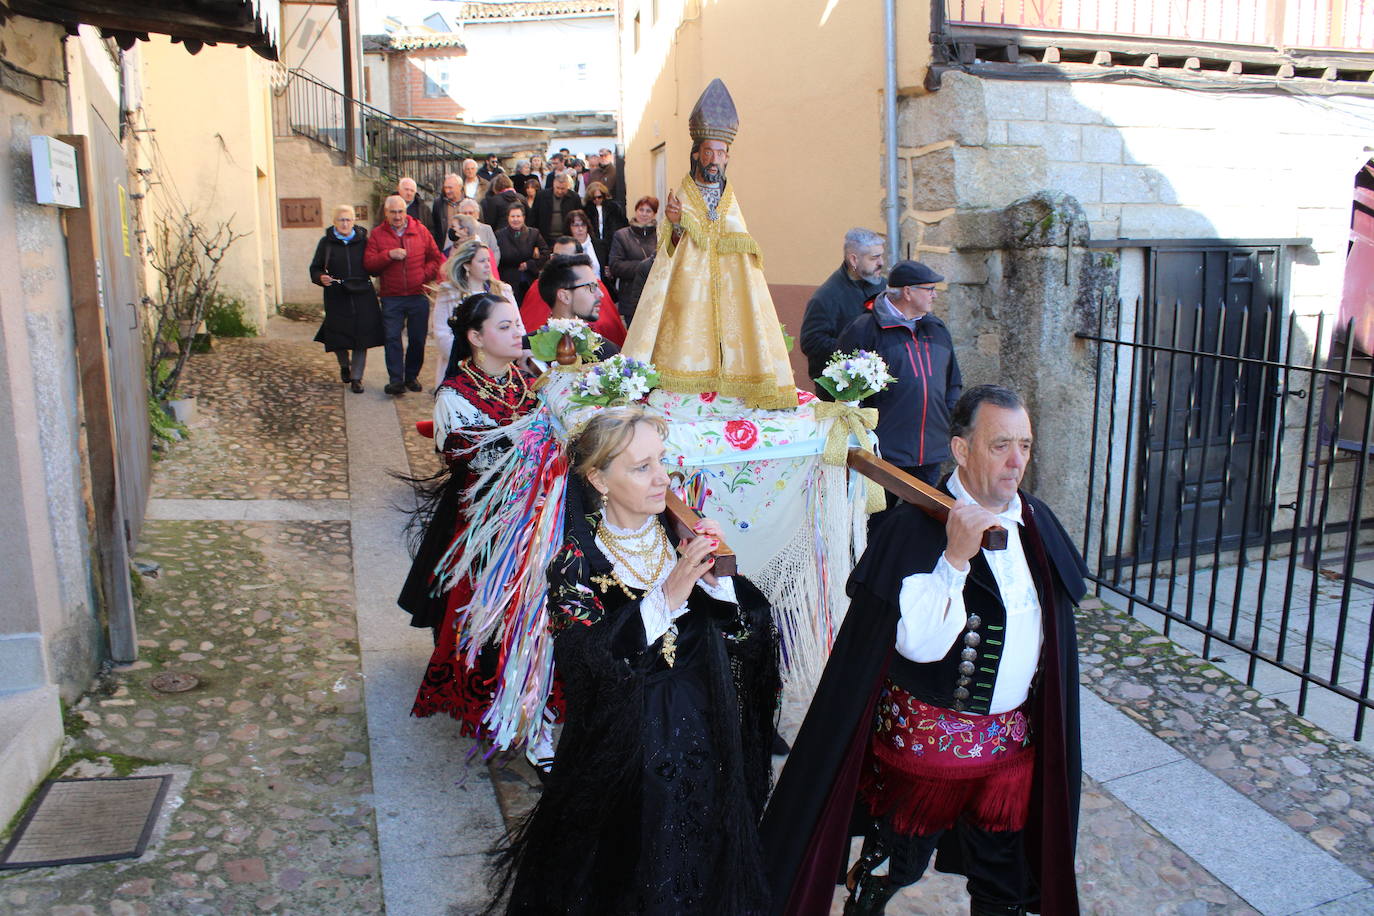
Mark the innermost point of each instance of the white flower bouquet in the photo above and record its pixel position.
(855, 376)
(544, 342)
(616, 381)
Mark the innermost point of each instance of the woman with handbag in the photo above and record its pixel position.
(352, 317)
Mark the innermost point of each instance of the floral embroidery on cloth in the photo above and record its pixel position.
(929, 767)
(907, 727)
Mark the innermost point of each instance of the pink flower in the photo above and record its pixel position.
(708, 396)
(804, 397)
(741, 434)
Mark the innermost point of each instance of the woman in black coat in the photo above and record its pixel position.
(632, 254)
(605, 218)
(352, 318)
(522, 252)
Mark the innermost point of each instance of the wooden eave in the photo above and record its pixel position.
(193, 23)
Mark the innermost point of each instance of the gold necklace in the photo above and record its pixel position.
(493, 389)
(622, 548)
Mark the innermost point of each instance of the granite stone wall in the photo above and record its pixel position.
(1003, 182)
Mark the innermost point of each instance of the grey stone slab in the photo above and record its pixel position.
(1274, 868)
(1115, 746)
(436, 813)
(1360, 904)
(439, 886)
(255, 510)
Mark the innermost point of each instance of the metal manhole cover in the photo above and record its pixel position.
(175, 682)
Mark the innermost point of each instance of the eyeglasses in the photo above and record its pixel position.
(590, 284)
(929, 289)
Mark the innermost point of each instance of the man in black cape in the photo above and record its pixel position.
(856, 767)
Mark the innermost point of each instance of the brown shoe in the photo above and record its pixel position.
(357, 386)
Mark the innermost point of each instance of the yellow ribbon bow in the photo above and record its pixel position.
(856, 422)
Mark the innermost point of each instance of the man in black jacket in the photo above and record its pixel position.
(946, 721)
(913, 412)
(552, 206)
(840, 299)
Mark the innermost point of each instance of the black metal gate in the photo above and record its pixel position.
(1230, 468)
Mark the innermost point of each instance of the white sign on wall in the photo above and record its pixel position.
(54, 173)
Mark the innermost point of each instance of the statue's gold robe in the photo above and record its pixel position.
(705, 318)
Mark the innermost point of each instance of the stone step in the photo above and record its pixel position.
(30, 743)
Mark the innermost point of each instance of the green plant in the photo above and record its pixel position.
(164, 426)
(226, 317)
(187, 257)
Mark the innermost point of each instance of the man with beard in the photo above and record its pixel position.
(946, 722)
(841, 299)
(705, 318)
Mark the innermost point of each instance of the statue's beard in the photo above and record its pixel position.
(712, 174)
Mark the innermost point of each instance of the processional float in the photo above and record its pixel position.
(791, 479)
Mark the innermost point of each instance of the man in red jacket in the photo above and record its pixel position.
(403, 254)
(604, 319)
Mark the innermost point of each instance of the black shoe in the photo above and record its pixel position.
(983, 908)
(357, 386)
(395, 388)
(870, 896)
(414, 385)
(780, 746)
(343, 374)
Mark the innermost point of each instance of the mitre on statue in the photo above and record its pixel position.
(705, 318)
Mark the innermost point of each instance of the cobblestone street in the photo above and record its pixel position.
(302, 786)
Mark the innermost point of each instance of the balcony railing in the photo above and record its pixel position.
(1278, 24)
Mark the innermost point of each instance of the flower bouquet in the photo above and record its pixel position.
(855, 376)
(544, 342)
(615, 381)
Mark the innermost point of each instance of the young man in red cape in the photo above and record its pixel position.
(946, 722)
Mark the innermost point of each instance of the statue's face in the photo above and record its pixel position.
(710, 160)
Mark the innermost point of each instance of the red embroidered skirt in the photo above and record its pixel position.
(928, 766)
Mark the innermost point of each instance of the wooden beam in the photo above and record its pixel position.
(97, 414)
(917, 492)
(687, 518)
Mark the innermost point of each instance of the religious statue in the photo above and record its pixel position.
(706, 319)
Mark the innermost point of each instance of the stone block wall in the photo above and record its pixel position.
(306, 169)
(983, 160)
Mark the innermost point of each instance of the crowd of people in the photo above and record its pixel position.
(423, 264)
(945, 725)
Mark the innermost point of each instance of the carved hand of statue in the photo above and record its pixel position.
(673, 209)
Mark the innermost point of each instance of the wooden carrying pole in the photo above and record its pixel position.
(917, 492)
(687, 517)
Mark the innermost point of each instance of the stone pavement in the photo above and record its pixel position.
(303, 786)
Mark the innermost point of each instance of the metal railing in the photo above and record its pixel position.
(1277, 24)
(369, 135)
(1230, 464)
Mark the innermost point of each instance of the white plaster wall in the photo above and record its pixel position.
(378, 77)
(1153, 162)
(518, 68)
(44, 549)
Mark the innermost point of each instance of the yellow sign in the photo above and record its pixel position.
(124, 217)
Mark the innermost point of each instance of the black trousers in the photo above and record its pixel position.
(994, 861)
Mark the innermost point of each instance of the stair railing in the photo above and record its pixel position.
(370, 136)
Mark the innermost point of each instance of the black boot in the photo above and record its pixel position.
(870, 896)
(983, 908)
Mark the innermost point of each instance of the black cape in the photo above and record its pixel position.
(807, 824)
(661, 772)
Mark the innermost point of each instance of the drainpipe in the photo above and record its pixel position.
(890, 127)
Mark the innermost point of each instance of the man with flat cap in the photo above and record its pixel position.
(913, 413)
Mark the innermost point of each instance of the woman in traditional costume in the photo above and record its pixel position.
(670, 679)
(485, 390)
(469, 270)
